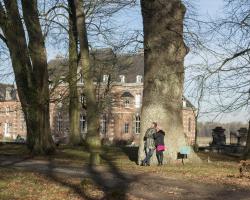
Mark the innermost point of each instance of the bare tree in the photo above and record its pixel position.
(29, 61)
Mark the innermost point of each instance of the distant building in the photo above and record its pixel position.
(120, 119)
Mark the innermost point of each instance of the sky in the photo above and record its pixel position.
(129, 20)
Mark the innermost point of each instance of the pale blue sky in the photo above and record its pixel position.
(130, 19)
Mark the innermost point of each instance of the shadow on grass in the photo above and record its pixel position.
(107, 178)
(131, 152)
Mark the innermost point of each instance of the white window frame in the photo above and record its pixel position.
(138, 78)
(126, 103)
(7, 126)
(137, 124)
(126, 127)
(105, 78)
(81, 80)
(7, 110)
(122, 78)
(189, 124)
(59, 122)
(138, 100)
(82, 123)
(104, 124)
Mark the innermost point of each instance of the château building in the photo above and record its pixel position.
(119, 86)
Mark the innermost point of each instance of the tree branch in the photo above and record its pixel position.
(235, 56)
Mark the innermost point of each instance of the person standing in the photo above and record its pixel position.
(149, 144)
(159, 144)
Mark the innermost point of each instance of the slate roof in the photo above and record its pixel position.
(104, 61)
(107, 62)
(127, 94)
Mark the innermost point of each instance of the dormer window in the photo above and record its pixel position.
(122, 78)
(126, 103)
(138, 79)
(127, 97)
(105, 78)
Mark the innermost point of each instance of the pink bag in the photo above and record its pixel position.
(160, 148)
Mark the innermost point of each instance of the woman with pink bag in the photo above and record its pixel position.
(159, 144)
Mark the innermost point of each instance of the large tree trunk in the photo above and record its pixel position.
(247, 148)
(30, 69)
(93, 137)
(74, 114)
(164, 52)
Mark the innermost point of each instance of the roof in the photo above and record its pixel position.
(104, 61)
(127, 94)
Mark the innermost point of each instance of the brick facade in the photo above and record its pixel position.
(119, 121)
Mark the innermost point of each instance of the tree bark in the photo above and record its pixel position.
(247, 148)
(29, 63)
(74, 114)
(93, 137)
(164, 52)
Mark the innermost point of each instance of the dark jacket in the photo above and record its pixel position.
(159, 138)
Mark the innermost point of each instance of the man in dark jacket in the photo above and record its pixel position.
(149, 144)
(159, 144)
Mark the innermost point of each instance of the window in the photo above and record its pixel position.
(137, 124)
(82, 123)
(138, 79)
(137, 100)
(82, 98)
(126, 127)
(81, 77)
(23, 123)
(184, 103)
(104, 124)
(126, 103)
(189, 124)
(122, 77)
(7, 129)
(59, 122)
(105, 78)
(7, 110)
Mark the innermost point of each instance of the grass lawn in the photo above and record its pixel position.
(20, 184)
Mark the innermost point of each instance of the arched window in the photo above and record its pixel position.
(104, 124)
(137, 124)
(59, 122)
(82, 123)
(189, 124)
(81, 77)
